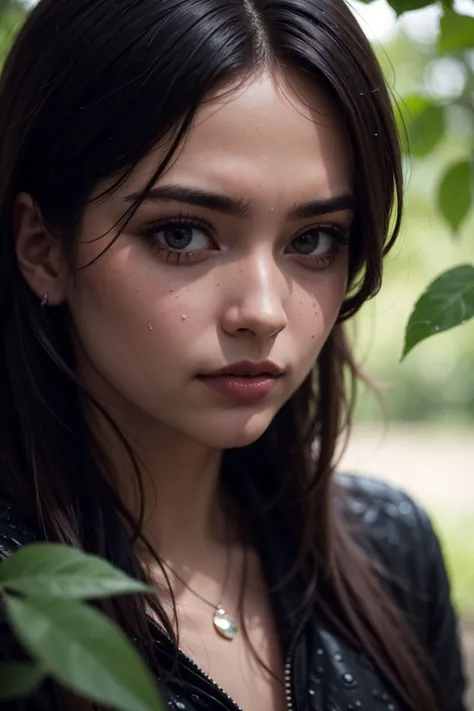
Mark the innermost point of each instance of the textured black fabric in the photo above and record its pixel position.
(324, 672)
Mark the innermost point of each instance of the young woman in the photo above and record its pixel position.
(195, 195)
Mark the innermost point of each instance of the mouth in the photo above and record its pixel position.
(248, 369)
(245, 381)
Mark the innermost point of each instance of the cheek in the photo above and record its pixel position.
(130, 315)
(317, 306)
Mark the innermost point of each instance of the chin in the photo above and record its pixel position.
(235, 432)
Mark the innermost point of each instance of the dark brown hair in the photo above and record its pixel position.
(64, 126)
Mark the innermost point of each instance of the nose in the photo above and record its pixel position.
(257, 291)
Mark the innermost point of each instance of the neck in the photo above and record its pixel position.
(182, 512)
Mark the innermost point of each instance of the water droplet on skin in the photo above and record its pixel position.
(320, 652)
(184, 318)
(338, 657)
(311, 692)
(361, 93)
(150, 327)
(376, 134)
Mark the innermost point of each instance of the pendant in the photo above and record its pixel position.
(225, 624)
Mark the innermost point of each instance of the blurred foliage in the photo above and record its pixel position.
(449, 299)
(456, 539)
(436, 99)
(11, 14)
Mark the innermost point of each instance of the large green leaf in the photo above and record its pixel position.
(455, 194)
(59, 571)
(456, 32)
(84, 650)
(19, 679)
(447, 302)
(425, 124)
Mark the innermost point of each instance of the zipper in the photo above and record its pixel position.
(288, 685)
(208, 678)
(290, 706)
(194, 665)
(290, 700)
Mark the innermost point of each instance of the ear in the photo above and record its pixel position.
(39, 253)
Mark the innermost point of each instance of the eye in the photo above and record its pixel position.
(318, 242)
(180, 237)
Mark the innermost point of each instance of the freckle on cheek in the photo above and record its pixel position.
(150, 327)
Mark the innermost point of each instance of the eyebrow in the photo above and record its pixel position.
(227, 205)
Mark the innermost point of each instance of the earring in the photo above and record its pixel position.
(44, 300)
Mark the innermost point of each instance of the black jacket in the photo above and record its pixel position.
(323, 672)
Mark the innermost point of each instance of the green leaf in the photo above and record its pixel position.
(54, 570)
(401, 6)
(82, 649)
(425, 123)
(447, 302)
(19, 679)
(456, 32)
(455, 194)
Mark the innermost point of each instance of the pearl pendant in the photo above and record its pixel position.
(225, 624)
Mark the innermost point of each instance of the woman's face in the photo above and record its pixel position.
(239, 254)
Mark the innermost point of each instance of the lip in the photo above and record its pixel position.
(248, 368)
(245, 381)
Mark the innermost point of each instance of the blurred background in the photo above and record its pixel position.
(422, 437)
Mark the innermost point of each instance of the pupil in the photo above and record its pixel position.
(178, 237)
(306, 243)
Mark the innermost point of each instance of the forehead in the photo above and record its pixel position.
(273, 136)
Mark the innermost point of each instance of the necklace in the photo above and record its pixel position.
(224, 623)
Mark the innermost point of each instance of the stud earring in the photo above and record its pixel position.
(44, 300)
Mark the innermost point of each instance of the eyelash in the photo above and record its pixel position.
(182, 220)
(337, 232)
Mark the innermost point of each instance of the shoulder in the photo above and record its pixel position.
(390, 515)
(401, 544)
(397, 534)
(399, 539)
(15, 532)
